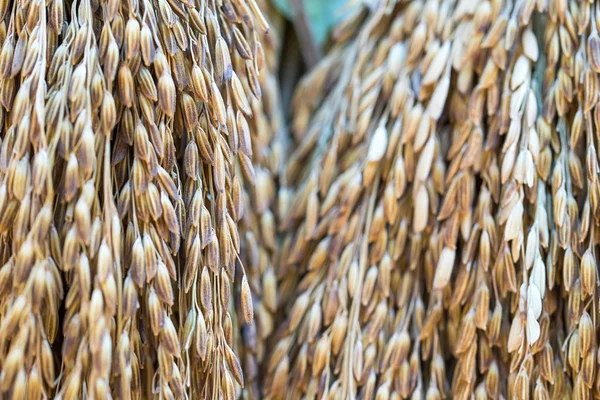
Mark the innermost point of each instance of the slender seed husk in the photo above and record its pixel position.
(440, 239)
(121, 159)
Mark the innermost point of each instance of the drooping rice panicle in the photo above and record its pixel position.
(258, 226)
(150, 200)
(491, 255)
(87, 223)
(101, 100)
(31, 286)
(216, 69)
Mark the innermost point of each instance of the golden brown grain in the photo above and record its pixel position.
(98, 102)
(437, 192)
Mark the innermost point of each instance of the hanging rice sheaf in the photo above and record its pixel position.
(429, 232)
(124, 125)
(440, 239)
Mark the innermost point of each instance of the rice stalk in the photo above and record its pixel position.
(31, 284)
(440, 235)
(149, 352)
(88, 227)
(215, 92)
(135, 113)
(258, 226)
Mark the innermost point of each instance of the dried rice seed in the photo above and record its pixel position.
(496, 205)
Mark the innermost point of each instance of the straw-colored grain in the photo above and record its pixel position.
(118, 161)
(441, 239)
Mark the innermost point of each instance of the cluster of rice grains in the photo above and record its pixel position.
(439, 209)
(126, 143)
(443, 207)
(258, 227)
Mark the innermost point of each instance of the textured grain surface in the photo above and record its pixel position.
(125, 148)
(440, 235)
(258, 228)
(427, 230)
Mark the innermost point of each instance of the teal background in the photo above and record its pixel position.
(322, 14)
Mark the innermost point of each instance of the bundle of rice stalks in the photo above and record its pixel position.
(123, 127)
(205, 79)
(441, 236)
